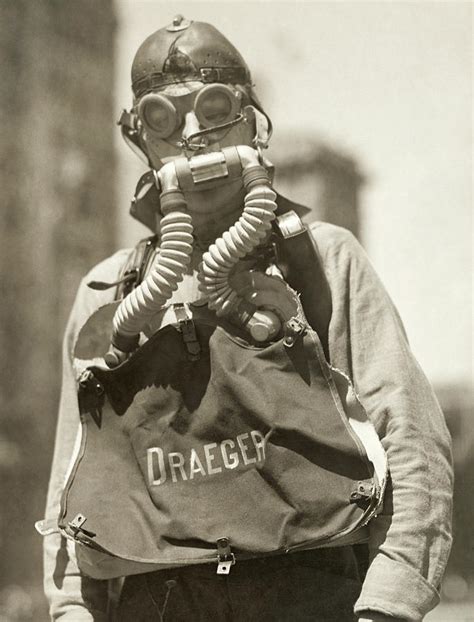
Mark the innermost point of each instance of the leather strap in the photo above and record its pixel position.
(137, 263)
(297, 256)
(301, 264)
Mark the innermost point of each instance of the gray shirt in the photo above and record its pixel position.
(409, 541)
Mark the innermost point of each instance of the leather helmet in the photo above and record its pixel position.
(188, 51)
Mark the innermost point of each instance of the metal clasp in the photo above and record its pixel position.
(293, 329)
(88, 382)
(188, 331)
(76, 526)
(225, 557)
(364, 492)
(77, 523)
(209, 74)
(91, 395)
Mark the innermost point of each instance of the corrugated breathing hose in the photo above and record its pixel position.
(241, 239)
(175, 251)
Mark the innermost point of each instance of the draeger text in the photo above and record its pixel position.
(209, 459)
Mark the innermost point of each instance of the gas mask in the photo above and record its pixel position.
(194, 119)
(202, 131)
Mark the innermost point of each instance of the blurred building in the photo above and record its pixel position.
(57, 185)
(457, 404)
(320, 177)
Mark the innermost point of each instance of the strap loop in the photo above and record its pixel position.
(188, 331)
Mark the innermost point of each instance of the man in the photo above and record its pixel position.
(229, 392)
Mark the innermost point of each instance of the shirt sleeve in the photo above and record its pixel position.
(410, 539)
(73, 596)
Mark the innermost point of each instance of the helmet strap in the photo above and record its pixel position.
(128, 123)
(262, 129)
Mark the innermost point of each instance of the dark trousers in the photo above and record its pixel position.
(315, 585)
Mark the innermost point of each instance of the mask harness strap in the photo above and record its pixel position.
(186, 143)
(262, 129)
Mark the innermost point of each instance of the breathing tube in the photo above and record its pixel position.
(176, 246)
(240, 240)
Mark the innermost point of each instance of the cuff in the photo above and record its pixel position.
(80, 614)
(397, 590)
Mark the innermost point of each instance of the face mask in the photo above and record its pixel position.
(189, 118)
(216, 108)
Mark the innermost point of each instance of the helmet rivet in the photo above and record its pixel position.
(179, 23)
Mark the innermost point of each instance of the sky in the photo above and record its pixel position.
(389, 83)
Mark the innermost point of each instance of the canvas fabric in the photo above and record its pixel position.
(242, 442)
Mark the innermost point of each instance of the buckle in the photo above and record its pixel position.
(364, 492)
(76, 528)
(89, 382)
(209, 74)
(91, 395)
(225, 557)
(293, 329)
(188, 331)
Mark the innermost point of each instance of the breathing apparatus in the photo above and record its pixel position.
(198, 124)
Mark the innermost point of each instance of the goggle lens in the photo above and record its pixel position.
(216, 104)
(158, 114)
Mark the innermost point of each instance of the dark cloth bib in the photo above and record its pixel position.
(246, 443)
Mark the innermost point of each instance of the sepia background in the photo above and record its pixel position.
(371, 104)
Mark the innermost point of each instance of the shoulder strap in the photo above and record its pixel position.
(136, 266)
(298, 257)
(300, 261)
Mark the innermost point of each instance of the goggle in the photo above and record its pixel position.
(215, 105)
